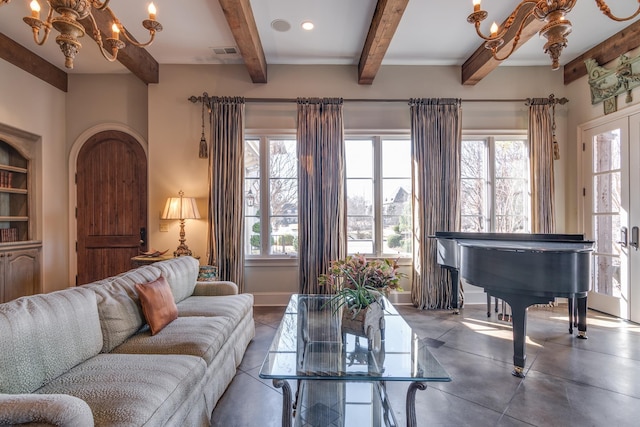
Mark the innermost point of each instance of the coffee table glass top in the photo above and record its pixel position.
(309, 345)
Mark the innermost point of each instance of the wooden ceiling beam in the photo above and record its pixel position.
(136, 59)
(383, 26)
(481, 62)
(23, 58)
(610, 49)
(243, 26)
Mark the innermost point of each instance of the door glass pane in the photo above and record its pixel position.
(606, 276)
(607, 146)
(606, 205)
(606, 197)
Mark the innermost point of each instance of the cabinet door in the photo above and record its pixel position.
(21, 273)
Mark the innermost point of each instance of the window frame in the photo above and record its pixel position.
(377, 139)
(264, 180)
(490, 137)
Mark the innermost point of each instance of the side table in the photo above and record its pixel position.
(140, 260)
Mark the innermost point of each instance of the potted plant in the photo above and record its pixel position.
(358, 286)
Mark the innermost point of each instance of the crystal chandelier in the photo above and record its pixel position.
(556, 29)
(66, 23)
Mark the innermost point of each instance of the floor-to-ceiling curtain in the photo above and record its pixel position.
(322, 204)
(226, 182)
(436, 141)
(541, 169)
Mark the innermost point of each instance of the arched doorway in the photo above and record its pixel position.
(111, 210)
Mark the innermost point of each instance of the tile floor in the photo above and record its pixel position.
(569, 382)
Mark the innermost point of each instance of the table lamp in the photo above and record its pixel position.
(181, 208)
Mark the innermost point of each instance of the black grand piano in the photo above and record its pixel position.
(521, 269)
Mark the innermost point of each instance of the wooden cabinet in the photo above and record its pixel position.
(19, 270)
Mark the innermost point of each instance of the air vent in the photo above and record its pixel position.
(225, 50)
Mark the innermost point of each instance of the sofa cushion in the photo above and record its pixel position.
(157, 302)
(232, 306)
(131, 389)
(181, 273)
(119, 306)
(196, 336)
(43, 336)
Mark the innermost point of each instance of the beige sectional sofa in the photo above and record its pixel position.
(84, 356)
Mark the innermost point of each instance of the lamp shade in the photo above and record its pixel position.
(180, 208)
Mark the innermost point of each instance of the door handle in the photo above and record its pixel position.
(143, 236)
(623, 237)
(634, 237)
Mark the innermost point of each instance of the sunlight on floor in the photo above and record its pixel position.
(491, 329)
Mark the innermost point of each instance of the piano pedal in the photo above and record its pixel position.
(504, 317)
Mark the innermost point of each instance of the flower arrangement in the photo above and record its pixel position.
(359, 282)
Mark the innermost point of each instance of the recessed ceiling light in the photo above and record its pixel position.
(280, 25)
(307, 25)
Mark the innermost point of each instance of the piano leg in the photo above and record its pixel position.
(571, 318)
(519, 322)
(582, 317)
(519, 305)
(488, 305)
(455, 289)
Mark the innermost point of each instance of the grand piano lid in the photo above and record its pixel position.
(530, 246)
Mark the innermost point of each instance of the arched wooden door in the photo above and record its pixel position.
(111, 216)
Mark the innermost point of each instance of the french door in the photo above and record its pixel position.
(611, 194)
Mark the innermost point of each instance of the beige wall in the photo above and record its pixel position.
(29, 104)
(169, 125)
(580, 113)
(174, 127)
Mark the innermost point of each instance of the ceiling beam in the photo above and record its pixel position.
(136, 59)
(610, 49)
(23, 58)
(383, 26)
(240, 18)
(481, 62)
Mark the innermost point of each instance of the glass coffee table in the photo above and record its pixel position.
(341, 378)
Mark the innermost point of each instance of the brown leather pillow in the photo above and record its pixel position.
(157, 302)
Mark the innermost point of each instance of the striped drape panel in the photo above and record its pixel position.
(226, 183)
(322, 227)
(436, 136)
(541, 169)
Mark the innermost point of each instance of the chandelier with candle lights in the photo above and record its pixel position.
(69, 12)
(555, 30)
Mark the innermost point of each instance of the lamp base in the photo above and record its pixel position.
(182, 250)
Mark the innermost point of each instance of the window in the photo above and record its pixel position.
(495, 195)
(378, 186)
(276, 159)
(378, 195)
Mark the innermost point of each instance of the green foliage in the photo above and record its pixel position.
(395, 241)
(359, 282)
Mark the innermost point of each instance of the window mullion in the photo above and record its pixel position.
(377, 195)
(265, 206)
(491, 182)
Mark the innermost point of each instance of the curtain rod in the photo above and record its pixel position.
(527, 101)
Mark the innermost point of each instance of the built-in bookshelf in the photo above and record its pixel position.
(14, 195)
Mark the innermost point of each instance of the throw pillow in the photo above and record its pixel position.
(157, 302)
